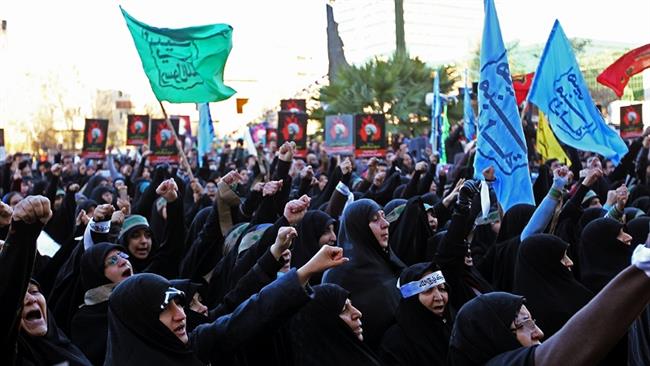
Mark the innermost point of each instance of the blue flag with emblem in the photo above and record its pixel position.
(206, 131)
(559, 90)
(469, 120)
(500, 142)
(435, 114)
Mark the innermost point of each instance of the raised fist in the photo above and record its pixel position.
(103, 212)
(168, 190)
(32, 209)
(295, 210)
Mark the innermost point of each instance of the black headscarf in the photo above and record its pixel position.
(89, 327)
(135, 334)
(551, 291)
(320, 337)
(498, 264)
(190, 288)
(92, 264)
(94, 181)
(642, 203)
(638, 228)
(602, 256)
(314, 224)
(482, 329)
(52, 348)
(371, 274)
(420, 337)
(98, 192)
(410, 232)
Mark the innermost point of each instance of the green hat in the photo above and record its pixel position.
(60, 192)
(590, 194)
(395, 213)
(133, 222)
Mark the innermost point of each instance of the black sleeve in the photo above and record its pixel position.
(411, 187)
(427, 179)
(61, 225)
(325, 195)
(642, 164)
(52, 186)
(145, 203)
(251, 203)
(207, 249)
(626, 166)
(248, 258)
(168, 255)
(16, 262)
(262, 273)
(259, 313)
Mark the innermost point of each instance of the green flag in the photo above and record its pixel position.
(184, 65)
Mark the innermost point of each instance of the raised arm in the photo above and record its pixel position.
(273, 303)
(544, 212)
(605, 319)
(16, 262)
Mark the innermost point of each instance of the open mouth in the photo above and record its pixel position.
(439, 308)
(33, 315)
(127, 273)
(180, 330)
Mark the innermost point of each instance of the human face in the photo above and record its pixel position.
(527, 332)
(554, 165)
(595, 202)
(244, 176)
(211, 190)
(433, 221)
(107, 197)
(352, 317)
(33, 318)
(434, 299)
(173, 317)
(566, 261)
(117, 267)
(624, 237)
(328, 238)
(197, 306)
(140, 243)
(379, 227)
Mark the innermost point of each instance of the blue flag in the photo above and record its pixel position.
(206, 131)
(469, 120)
(500, 142)
(435, 115)
(559, 90)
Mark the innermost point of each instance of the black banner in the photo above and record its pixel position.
(631, 121)
(162, 142)
(95, 137)
(370, 139)
(137, 129)
(293, 127)
(293, 105)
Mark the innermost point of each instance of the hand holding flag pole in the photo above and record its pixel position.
(179, 145)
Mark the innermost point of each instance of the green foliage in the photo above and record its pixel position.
(395, 87)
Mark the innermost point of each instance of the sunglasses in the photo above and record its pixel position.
(115, 258)
(173, 294)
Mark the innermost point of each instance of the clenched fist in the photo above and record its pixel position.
(32, 209)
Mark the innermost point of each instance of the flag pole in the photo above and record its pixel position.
(179, 145)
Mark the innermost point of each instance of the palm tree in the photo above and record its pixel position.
(395, 87)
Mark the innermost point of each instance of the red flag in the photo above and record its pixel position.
(522, 83)
(619, 73)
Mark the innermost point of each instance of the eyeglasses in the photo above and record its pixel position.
(172, 294)
(529, 324)
(114, 259)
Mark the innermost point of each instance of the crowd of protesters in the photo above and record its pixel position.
(274, 259)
